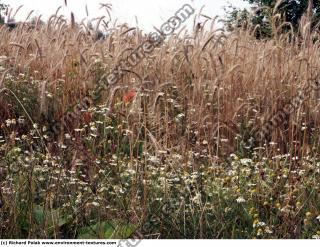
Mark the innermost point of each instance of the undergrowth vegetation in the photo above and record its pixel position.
(168, 152)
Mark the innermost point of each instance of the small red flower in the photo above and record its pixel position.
(128, 97)
(87, 117)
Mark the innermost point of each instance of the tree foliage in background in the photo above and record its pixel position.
(2, 8)
(236, 18)
(263, 12)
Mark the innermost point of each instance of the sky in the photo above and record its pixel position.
(148, 12)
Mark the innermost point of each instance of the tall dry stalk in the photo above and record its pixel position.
(209, 76)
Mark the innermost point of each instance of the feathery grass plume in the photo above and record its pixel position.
(87, 11)
(98, 23)
(276, 6)
(39, 51)
(107, 7)
(16, 12)
(128, 31)
(29, 15)
(18, 45)
(73, 22)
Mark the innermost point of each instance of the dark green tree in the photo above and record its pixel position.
(236, 18)
(291, 10)
(264, 10)
(2, 8)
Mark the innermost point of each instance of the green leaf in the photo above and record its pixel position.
(107, 230)
(54, 217)
(38, 215)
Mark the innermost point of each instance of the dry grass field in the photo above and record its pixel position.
(171, 150)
